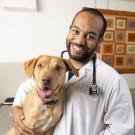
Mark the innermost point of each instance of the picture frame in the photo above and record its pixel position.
(130, 37)
(110, 22)
(109, 59)
(130, 61)
(131, 24)
(118, 46)
(107, 48)
(121, 23)
(109, 36)
(119, 61)
(120, 36)
(130, 49)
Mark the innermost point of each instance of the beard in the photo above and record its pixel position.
(85, 56)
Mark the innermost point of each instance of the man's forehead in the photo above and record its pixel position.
(87, 15)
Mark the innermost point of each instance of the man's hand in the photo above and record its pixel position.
(18, 117)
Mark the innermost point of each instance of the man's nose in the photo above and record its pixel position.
(80, 39)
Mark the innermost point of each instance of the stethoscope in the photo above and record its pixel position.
(93, 89)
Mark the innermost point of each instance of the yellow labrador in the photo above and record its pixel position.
(43, 106)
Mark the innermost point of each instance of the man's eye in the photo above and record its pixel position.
(90, 37)
(75, 31)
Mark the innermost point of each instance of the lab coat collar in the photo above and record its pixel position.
(82, 73)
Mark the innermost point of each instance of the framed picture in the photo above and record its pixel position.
(118, 46)
(121, 23)
(108, 36)
(107, 48)
(130, 61)
(130, 49)
(120, 36)
(110, 22)
(130, 37)
(109, 59)
(131, 24)
(19, 5)
(119, 61)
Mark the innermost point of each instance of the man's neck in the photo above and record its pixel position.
(77, 64)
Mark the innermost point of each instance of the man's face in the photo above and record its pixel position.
(83, 36)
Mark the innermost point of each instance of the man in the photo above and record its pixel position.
(108, 113)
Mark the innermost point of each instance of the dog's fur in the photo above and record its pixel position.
(43, 106)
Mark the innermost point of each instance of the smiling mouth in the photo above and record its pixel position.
(77, 47)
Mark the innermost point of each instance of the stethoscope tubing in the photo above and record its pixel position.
(93, 89)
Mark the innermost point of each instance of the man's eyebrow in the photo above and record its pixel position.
(93, 33)
(73, 26)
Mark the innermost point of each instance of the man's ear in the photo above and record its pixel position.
(70, 67)
(29, 66)
(100, 40)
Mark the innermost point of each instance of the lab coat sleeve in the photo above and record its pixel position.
(22, 91)
(119, 115)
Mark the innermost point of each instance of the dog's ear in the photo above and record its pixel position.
(70, 67)
(29, 66)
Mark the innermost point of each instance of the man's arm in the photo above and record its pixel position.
(119, 116)
(23, 90)
(17, 111)
(18, 117)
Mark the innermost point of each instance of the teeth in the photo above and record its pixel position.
(77, 48)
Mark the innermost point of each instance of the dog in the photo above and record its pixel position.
(43, 106)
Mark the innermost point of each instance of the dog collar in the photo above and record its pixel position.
(44, 105)
(51, 102)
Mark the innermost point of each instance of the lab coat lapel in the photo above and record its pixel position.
(82, 73)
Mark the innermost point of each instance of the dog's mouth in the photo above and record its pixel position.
(48, 95)
(45, 93)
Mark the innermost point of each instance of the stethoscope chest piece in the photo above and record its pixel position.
(93, 90)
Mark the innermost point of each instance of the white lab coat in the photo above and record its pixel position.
(109, 113)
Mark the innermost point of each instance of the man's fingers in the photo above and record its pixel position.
(18, 118)
(21, 129)
(22, 117)
(24, 129)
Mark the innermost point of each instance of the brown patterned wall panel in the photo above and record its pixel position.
(118, 46)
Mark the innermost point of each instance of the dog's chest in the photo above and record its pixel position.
(44, 124)
(43, 119)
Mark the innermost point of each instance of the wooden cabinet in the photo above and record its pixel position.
(121, 5)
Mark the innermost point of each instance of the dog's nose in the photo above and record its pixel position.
(46, 80)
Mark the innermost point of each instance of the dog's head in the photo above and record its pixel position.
(49, 75)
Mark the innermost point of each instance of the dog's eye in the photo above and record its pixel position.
(58, 68)
(39, 66)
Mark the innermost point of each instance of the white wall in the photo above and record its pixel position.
(28, 34)
(24, 35)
